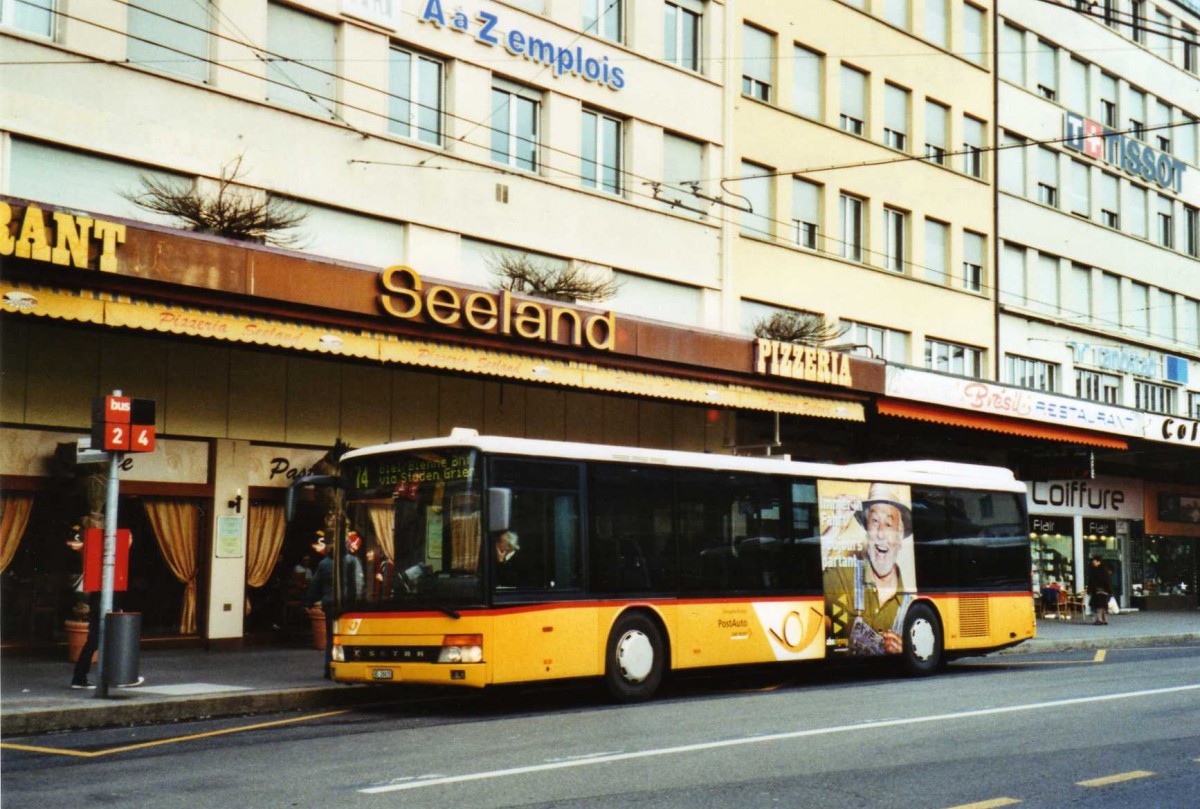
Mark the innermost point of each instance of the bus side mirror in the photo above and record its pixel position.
(499, 509)
(289, 501)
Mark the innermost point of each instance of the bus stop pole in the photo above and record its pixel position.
(109, 568)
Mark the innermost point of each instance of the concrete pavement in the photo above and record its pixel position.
(183, 684)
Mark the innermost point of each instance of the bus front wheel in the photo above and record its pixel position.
(636, 659)
(922, 641)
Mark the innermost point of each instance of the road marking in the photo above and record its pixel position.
(773, 737)
(1114, 779)
(992, 804)
(1100, 654)
(160, 742)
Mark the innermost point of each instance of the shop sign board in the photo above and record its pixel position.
(806, 363)
(1105, 498)
(1172, 429)
(1040, 524)
(384, 13)
(278, 466)
(975, 395)
(1126, 153)
(29, 453)
(66, 239)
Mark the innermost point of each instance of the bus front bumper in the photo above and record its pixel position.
(468, 675)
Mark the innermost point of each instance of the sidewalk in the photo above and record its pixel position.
(184, 684)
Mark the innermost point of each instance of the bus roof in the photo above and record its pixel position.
(926, 472)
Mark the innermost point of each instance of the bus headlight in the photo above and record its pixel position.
(461, 649)
(339, 653)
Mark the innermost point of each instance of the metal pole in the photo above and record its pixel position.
(110, 563)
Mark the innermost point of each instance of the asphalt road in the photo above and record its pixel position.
(1115, 729)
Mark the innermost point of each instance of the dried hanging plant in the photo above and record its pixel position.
(799, 327)
(523, 273)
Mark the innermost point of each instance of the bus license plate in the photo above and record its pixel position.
(381, 674)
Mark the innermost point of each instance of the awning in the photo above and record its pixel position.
(103, 310)
(978, 421)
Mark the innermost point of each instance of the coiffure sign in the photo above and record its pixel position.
(1133, 157)
(488, 29)
(1101, 497)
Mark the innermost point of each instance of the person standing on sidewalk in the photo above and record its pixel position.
(1099, 588)
(320, 592)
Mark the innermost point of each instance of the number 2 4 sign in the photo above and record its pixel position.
(129, 437)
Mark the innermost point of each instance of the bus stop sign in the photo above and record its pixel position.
(123, 424)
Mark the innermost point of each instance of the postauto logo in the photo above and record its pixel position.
(1098, 141)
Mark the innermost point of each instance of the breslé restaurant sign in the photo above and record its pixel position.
(63, 238)
(405, 296)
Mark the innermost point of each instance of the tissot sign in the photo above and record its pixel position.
(1132, 156)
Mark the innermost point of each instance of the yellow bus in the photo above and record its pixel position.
(477, 560)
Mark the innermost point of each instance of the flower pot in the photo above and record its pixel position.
(77, 632)
(317, 616)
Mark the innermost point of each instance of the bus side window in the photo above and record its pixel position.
(545, 520)
(631, 539)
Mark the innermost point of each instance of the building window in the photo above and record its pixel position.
(1012, 276)
(1136, 315)
(806, 212)
(1152, 397)
(1185, 139)
(1081, 192)
(1047, 185)
(683, 160)
(1162, 34)
(878, 341)
(1012, 164)
(1165, 221)
(1110, 13)
(895, 117)
(953, 358)
(302, 77)
(601, 152)
(937, 22)
(1193, 405)
(1164, 314)
(807, 82)
(1110, 201)
(1190, 56)
(851, 211)
(1137, 113)
(681, 33)
(1047, 70)
(30, 16)
(604, 18)
(1109, 110)
(1076, 95)
(854, 101)
(415, 96)
(1137, 21)
(1135, 211)
(515, 112)
(167, 36)
(1191, 230)
(758, 62)
(1079, 292)
(756, 188)
(895, 239)
(937, 119)
(974, 251)
(974, 134)
(897, 12)
(936, 247)
(1044, 296)
(1012, 54)
(1032, 374)
(974, 35)
(1097, 387)
(1108, 308)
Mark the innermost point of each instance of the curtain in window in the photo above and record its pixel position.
(383, 521)
(175, 524)
(263, 540)
(14, 517)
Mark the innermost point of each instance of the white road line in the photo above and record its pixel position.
(773, 737)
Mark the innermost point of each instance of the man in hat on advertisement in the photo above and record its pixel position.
(866, 551)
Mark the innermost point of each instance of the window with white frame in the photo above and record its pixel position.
(974, 45)
(895, 239)
(1185, 139)
(937, 120)
(953, 358)
(1164, 220)
(601, 151)
(515, 126)
(877, 341)
(1164, 314)
(1080, 182)
(1110, 200)
(1152, 397)
(937, 22)
(1188, 329)
(1012, 54)
(1108, 304)
(414, 96)
(1193, 411)
(1137, 113)
(1047, 70)
(1076, 93)
(853, 116)
(936, 247)
(756, 187)
(1097, 387)
(1135, 210)
(807, 82)
(895, 117)
(806, 212)
(302, 76)
(851, 215)
(1160, 121)
(974, 141)
(1137, 21)
(683, 159)
(1079, 293)
(168, 36)
(1047, 176)
(758, 62)
(1044, 295)
(1161, 41)
(1110, 112)
(1012, 276)
(898, 13)
(1012, 163)
(1033, 374)
(1188, 50)
(1136, 315)
(681, 33)
(1191, 230)
(974, 253)
(30, 16)
(604, 18)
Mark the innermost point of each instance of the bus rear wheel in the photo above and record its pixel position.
(922, 641)
(635, 659)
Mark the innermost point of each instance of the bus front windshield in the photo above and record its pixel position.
(414, 531)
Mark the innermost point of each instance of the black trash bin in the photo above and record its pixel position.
(122, 647)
